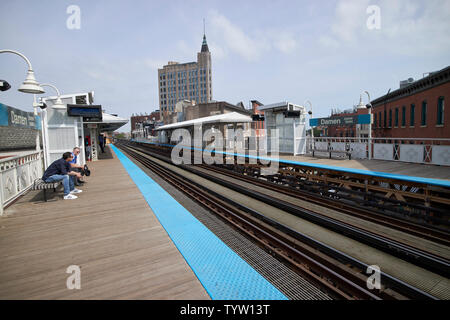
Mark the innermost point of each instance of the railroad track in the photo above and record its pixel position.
(323, 265)
(424, 232)
(394, 247)
(416, 216)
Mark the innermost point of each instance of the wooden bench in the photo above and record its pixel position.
(40, 184)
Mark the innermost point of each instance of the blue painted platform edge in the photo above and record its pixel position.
(429, 181)
(223, 273)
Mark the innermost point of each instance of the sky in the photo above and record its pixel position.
(327, 52)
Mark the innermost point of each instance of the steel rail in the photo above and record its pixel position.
(353, 210)
(306, 262)
(418, 257)
(387, 280)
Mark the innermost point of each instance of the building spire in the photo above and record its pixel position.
(204, 44)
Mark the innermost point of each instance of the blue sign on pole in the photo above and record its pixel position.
(340, 121)
(17, 118)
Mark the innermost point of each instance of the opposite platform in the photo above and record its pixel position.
(109, 231)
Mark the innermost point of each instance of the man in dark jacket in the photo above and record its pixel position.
(60, 170)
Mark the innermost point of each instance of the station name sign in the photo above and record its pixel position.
(13, 117)
(340, 121)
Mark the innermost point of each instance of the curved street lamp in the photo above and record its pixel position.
(30, 85)
(58, 103)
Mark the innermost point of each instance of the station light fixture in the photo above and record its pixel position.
(30, 85)
(58, 103)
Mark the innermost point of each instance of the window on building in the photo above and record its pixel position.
(385, 119)
(375, 120)
(424, 113)
(411, 115)
(440, 111)
(390, 118)
(396, 117)
(403, 116)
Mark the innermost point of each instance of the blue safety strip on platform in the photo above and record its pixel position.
(223, 274)
(428, 181)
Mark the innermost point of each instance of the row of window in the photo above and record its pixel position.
(400, 115)
(183, 88)
(182, 74)
(184, 93)
(202, 79)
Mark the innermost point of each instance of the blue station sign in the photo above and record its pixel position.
(13, 117)
(340, 121)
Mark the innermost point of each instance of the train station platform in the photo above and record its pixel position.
(110, 232)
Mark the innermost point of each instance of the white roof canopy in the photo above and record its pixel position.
(281, 106)
(232, 117)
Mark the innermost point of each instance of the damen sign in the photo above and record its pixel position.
(17, 118)
(340, 121)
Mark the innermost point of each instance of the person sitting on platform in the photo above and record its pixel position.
(76, 167)
(59, 170)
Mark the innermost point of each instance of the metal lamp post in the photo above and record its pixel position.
(57, 105)
(369, 106)
(30, 85)
(310, 112)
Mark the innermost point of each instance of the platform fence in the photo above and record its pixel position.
(17, 175)
(424, 150)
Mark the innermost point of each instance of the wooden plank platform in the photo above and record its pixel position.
(410, 169)
(110, 232)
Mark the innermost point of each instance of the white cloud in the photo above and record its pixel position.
(250, 46)
(349, 19)
(285, 42)
(410, 27)
(154, 64)
(235, 39)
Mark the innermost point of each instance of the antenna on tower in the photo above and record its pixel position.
(204, 32)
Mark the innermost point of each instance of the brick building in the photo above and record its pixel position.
(138, 123)
(416, 110)
(181, 81)
(350, 131)
(154, 116)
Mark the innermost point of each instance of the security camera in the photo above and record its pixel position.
(310, 112)
(41, 105)
(4, 85)
(369, 105)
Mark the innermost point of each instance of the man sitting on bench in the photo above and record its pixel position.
(60, 170)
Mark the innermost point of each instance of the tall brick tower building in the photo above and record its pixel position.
(185, 81)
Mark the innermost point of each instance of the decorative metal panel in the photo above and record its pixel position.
(411, 153)
(383, 151)
(358, 150)
(441, 155)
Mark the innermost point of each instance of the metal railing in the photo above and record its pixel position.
(415, 150)
(17, 175)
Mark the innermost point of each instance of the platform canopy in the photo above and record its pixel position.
(111, 122)
(232, 117)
